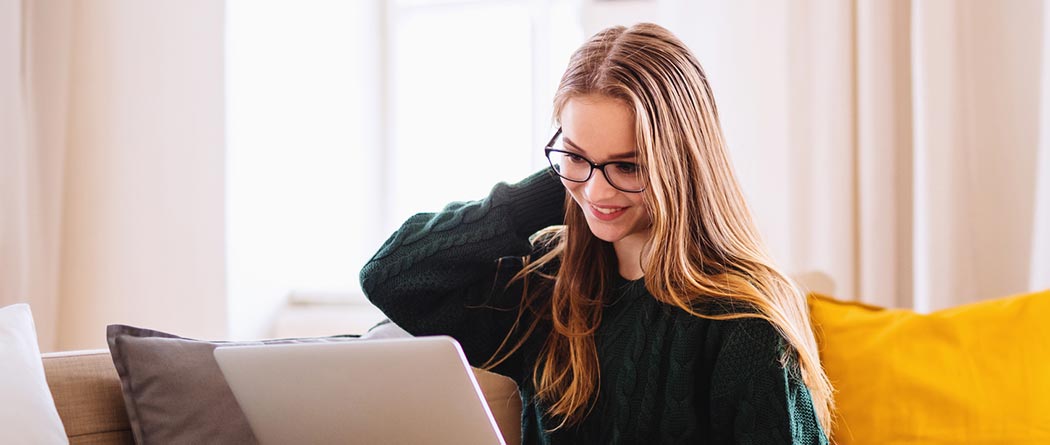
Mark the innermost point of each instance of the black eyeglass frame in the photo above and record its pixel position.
(550, 148)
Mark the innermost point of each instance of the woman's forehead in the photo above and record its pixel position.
(598, 125)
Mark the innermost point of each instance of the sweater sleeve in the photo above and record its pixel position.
(445, 273)
(756, 400)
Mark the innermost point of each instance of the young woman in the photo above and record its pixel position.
(625, 289)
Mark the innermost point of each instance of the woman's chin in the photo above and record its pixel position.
(604, 232)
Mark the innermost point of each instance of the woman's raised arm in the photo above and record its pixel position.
(445, 273)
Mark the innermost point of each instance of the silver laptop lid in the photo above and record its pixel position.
(400, 391)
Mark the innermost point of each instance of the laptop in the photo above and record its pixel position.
(398, 391)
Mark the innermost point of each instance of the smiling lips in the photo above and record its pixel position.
(607, 213)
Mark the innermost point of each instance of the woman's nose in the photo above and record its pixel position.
(598, 187)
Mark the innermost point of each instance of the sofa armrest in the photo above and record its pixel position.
(87, 394)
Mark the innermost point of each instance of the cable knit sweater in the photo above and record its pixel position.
(666, 376)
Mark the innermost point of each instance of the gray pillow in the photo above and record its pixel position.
(174, 391)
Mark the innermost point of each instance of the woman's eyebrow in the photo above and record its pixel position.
(620, 156)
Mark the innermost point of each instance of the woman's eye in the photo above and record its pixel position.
(574, 158)
(627, 168)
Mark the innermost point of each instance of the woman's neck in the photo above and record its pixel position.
(629, 251)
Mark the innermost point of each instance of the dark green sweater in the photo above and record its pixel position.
(666, 376)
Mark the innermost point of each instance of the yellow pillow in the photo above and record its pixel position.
(975, 374)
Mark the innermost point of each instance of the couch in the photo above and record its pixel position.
(975, 374)
(87, 394)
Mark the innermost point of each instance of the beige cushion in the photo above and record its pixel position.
(501, 393)
(87, 395)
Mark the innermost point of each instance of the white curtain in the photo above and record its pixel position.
(1040, 273)
(899, 146)
(32, 115)
(112, 166)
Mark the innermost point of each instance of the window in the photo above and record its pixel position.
(344, 118)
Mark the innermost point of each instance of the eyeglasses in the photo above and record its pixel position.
(624, 176)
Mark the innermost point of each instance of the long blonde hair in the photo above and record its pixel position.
(709, 247)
